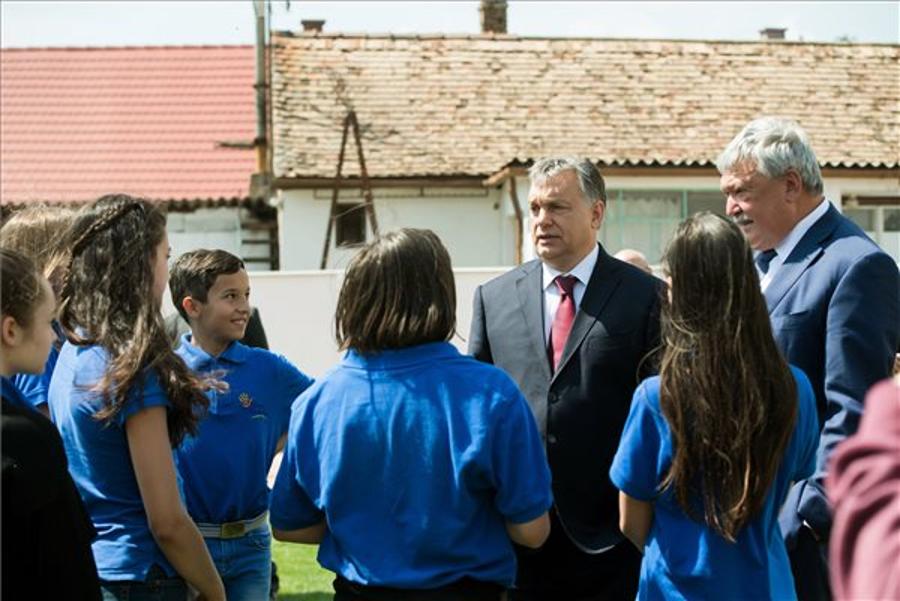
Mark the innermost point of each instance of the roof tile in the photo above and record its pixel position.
(441, 105)
(77, 123)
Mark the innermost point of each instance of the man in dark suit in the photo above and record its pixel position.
(575, 330)
(834, 303)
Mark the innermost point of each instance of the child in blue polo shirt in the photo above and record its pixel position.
(122, 400)
(712, 443)
(416, 467)
(224, 466)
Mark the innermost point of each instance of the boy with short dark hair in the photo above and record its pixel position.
(224, 467)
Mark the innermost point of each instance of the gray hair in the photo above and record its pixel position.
(589, 179)
(774, 145)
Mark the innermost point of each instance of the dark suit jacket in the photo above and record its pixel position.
(581, 409)
(835, 311)
(47, 531)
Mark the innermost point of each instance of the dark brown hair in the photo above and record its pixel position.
(21, 289)
(107, 299)
(726, 392)
(195, 272)
(38, 232)
(398, 291)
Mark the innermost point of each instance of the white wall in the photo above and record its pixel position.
(216, 228)
(297, 310)
(836, 187)
(471, 222)
(205, 228)
(477, 225)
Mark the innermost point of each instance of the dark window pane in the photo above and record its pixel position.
(864, 218)
(350, 224)
(891, 220)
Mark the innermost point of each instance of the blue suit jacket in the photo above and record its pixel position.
(835, 311)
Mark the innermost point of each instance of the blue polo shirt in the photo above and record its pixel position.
(12, 394)
(34, 387)
(684, 558)
(416, 457)
(224, 467)
(100, 462)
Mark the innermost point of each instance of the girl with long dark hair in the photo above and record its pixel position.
(122, 400)
(713, 443)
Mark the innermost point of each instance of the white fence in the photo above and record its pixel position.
(297, 309)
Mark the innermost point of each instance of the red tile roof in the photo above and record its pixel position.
(76, 123)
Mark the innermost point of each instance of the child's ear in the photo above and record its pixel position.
(10, 331)
(190, 306)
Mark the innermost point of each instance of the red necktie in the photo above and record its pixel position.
(562, 321)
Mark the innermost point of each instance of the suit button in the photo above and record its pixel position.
(552, 397)
(551, 439)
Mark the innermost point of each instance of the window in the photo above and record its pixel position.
(705, 201)
(350, 224)
(879, 217)
(864, 218)
(645, 220)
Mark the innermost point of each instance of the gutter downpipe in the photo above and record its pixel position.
(517, 209)
(261, 141)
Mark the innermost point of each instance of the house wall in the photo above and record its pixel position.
(478, 225)
(472, 225)
(221, 228)
(204, 228)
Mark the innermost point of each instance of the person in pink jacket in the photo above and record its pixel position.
(864, 489)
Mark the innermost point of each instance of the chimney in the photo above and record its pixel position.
(313, 25)
(493, 16)
(772, 33)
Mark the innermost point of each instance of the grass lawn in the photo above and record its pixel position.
(301, 577)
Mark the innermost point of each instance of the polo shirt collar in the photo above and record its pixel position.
(11, 393)
(194, 355)
(394, 358)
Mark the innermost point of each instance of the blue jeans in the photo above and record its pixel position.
(245, 564)
(157, 587)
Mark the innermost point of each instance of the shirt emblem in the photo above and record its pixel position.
(245, 399)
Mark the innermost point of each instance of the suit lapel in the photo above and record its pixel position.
(531, 300)
(804, 254)
(604, 281)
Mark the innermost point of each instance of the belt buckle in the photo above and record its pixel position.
(233, 530)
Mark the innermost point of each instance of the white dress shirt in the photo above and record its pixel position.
(786, 246)
(582, 273)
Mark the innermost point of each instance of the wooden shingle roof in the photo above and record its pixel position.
(469, 105)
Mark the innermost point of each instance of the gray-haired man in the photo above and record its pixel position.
(573, 329)
(834, 303)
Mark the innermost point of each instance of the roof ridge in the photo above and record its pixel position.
(124, 47)
(500, 37)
